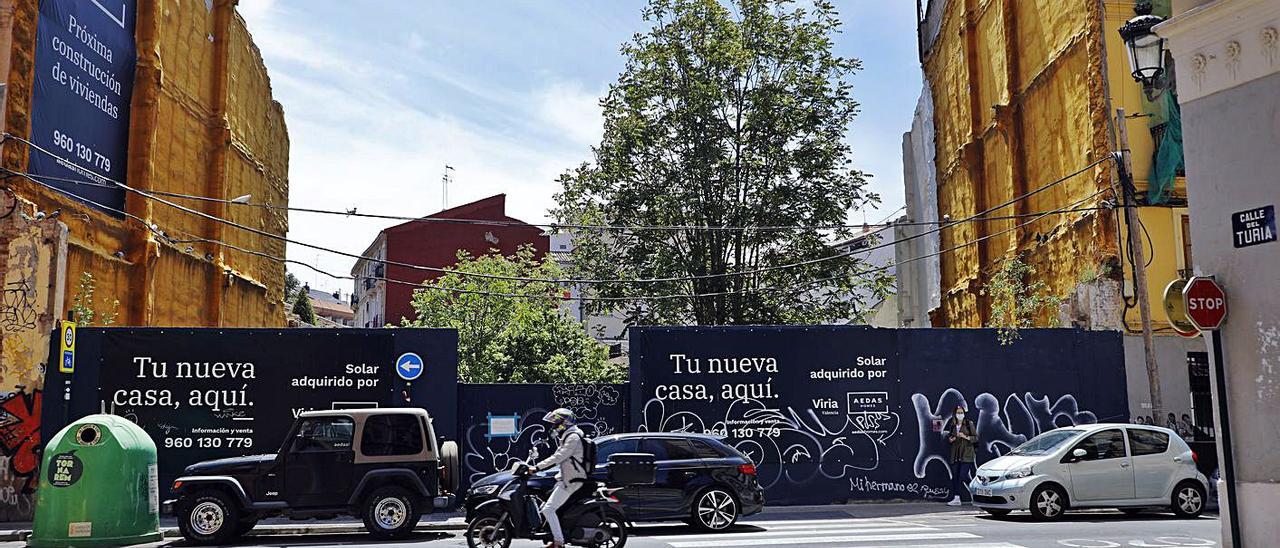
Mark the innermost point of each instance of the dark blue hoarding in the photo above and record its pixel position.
(84, 65)
(839, 413)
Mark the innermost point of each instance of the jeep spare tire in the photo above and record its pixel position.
(449, 473)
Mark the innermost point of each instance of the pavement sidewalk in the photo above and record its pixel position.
(453, 521)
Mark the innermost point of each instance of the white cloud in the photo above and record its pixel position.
(354, 144)
(572, 111)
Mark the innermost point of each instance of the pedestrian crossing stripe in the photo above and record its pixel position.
(754, 541)
(772, 532)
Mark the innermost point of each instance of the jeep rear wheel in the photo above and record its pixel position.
(209, 517)
(391, 512)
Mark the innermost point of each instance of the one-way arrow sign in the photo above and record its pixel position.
(409, 366)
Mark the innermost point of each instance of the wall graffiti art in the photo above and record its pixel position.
(1000, 428)
(831, 414)
(20, 437)
(18, 311)
(600, 410)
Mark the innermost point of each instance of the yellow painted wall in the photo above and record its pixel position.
(1021, 90)
(203, 122)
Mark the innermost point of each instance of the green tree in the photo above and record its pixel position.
(726, 114)
(291, 284)
(513, 339)
(302, 306)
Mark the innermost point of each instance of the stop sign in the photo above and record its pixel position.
(1206, 303)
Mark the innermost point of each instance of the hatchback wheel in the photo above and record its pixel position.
(1188, 500)
(715, 510)
(1048, 502)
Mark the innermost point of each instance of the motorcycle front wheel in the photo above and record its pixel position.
(489, 531)
(617, 528)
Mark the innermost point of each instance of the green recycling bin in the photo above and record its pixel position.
(98, 486)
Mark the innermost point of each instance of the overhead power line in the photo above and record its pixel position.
(803, 286)
(569, 281)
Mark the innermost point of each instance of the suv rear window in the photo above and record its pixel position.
(707, 451)
(669, 449)
(324, 434)
(1147, 442)
(387, 435)
(604, 450)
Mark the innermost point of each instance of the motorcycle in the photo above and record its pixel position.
(592, 517)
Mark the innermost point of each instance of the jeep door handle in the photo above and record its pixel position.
(1124, 465)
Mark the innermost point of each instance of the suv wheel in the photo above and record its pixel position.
(391, 512)
(1188, 500)
(209, 517)
(715, 510)
(1048, 502)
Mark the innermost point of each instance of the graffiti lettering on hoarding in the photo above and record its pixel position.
(587, 401)
(20, 435)
(19, 310)
(590, 403)
(999, 429)
(769, 435)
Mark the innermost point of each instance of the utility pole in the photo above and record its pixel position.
(444, 186)
(1139, 266)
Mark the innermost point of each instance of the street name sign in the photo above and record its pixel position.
(1253, 227)
(1206, 303)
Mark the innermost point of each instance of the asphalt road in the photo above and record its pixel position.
(838, 530)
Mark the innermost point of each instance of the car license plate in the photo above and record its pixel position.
(984, 492)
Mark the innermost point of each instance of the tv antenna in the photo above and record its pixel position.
(444, 186)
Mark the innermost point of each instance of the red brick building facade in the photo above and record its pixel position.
(432, 243)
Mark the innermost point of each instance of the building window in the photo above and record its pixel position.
(1186, 245)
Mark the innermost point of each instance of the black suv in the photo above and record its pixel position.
(699, 479)
(380, 464)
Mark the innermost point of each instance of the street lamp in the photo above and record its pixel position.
(1146, 48)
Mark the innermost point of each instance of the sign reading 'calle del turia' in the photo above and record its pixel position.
(1254, 226)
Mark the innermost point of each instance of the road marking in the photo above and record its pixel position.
(792, 533)
(823, 539)
(979, 545)
(819, 521)
(839, 525)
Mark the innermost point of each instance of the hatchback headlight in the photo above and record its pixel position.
(1019, 473)
(485, 489)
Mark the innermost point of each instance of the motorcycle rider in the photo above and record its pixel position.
(573, 469)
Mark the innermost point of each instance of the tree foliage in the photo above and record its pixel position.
(302, 306)
(513, 339)
(1015, 304)
(726, 115)
(291, 284)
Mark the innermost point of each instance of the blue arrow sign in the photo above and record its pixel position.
(410, 366)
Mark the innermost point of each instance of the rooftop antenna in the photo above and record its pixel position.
(444, 185)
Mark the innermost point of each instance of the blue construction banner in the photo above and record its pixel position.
(84, 64)
(838, 413)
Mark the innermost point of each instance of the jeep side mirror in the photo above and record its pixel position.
(1079, 454)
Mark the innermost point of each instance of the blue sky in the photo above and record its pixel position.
(380, 94)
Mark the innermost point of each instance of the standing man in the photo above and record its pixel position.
(963, 435)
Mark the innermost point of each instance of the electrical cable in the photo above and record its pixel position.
(572, 281)
(641, 298)
(551, 226)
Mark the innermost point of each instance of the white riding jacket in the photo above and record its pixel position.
(569, 455)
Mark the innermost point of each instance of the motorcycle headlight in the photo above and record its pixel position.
(485, 489)
(1019, 473)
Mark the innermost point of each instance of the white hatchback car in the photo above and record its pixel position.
(1125, 466)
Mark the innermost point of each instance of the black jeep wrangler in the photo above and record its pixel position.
(380, 464)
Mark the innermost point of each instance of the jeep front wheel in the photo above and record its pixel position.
(391, 512)
(209, 517)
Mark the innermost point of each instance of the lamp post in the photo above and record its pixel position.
(1146, 48)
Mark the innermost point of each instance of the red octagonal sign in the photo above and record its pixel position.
(1206, 303)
